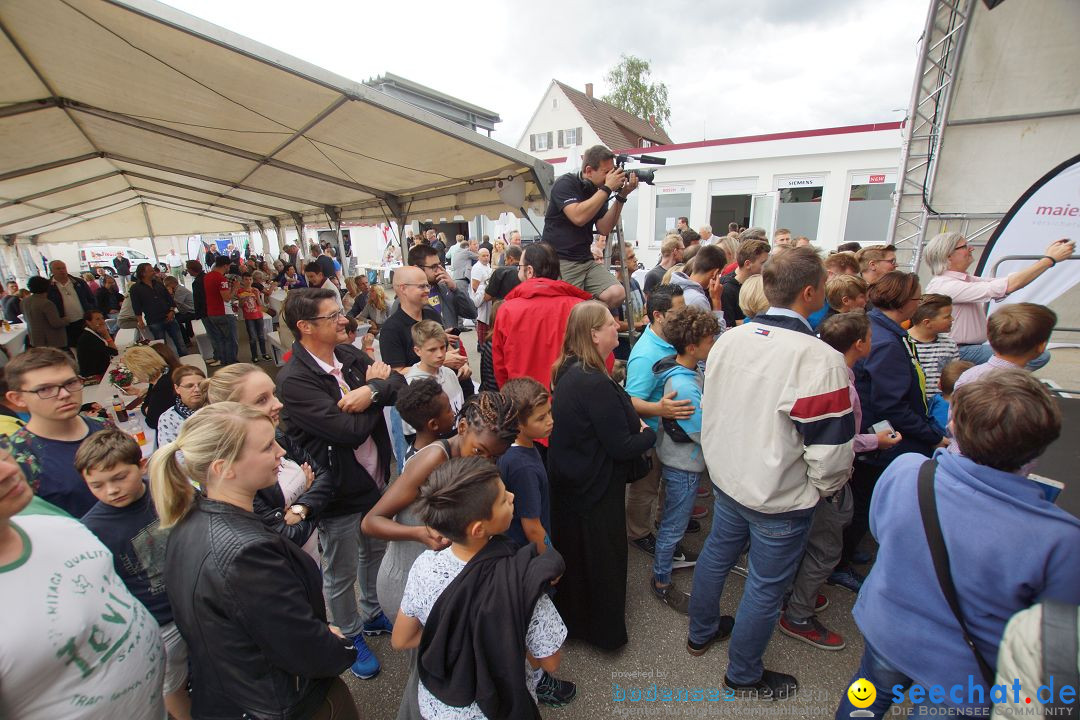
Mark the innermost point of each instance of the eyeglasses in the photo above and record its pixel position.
(337, 314)
(418, 286)
(960, 247)
(48, 392)
(431, 267)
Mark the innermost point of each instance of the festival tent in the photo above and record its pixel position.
(128, 118)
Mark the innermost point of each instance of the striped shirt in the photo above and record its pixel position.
(934, 356)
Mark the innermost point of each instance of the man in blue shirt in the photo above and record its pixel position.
(646, 393)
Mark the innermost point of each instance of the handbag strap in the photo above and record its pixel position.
(1060, 654)
(940, 555)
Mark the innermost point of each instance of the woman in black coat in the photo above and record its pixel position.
(95, 348)
(596, 448)
(248, 602)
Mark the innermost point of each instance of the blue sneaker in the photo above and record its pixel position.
(378, 625)
(847, 579)
(366, 665)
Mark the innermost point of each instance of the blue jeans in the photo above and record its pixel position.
(979, 354)
(222, 331)
(172, 330)
(256, 333)
(886, 680)
(680, 489)
(776, 546)
(349, 557)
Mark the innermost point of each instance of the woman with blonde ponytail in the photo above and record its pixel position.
(304, 487)
(248, 601)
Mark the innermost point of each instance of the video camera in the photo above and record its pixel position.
(645, 175)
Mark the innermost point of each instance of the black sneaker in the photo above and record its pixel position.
(671, 596)
(723, 632)
(771, 686)
(682, 558)
(647, 544)
(553, 692)
(692, 527)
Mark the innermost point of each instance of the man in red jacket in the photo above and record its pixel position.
(530, 325)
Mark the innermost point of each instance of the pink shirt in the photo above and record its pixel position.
(367, 453)
(864, 442)
(968, 292)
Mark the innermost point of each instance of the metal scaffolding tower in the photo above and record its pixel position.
(940, 48)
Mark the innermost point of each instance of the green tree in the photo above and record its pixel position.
(631, 90)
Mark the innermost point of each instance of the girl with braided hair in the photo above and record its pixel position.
(486, 425)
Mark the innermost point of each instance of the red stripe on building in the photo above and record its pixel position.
(819, 132)
(817, 406)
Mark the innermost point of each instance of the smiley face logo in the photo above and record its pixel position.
(862, 693)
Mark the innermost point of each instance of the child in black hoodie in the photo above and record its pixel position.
(479, 605)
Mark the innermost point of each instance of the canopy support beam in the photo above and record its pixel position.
(220, 147)
(62, 188)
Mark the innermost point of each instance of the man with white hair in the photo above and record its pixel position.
(707, 237)
(72, 298)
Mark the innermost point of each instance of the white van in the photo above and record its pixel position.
(92, 258)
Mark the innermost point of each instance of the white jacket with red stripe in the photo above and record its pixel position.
(777, 425)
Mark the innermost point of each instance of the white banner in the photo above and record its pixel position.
(1049, 211)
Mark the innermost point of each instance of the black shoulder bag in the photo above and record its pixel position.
(940, 555)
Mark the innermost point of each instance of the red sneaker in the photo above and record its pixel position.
(699, 512)
(813, 633)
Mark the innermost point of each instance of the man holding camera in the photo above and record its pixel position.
(579, 201)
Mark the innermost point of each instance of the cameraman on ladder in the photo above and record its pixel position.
(579, 201)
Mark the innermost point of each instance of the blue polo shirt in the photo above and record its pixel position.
(641, 381)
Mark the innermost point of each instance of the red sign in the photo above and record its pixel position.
(877, 179)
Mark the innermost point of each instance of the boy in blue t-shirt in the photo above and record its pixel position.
(938, 405)
(124, 519)
(520, 466)
(691, 331)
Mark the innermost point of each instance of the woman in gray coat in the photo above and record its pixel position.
(46, 327)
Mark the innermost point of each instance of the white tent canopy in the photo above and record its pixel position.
(129, 118)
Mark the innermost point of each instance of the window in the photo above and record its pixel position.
(869, 209)
(540, 141)
(569, 138)
(554, 103)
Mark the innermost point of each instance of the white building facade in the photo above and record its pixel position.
(832, 185)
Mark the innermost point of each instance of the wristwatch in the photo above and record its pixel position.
(374, 393)
(300, 510)
(606, 189)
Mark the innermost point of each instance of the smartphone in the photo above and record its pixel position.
(1051, 488)
(884, 425)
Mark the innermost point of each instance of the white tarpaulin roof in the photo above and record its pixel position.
(130, 118)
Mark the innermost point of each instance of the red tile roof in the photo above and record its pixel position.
(616, 128)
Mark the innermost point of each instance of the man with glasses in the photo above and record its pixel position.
(875, 261)
(44, 383)
(333, 396)
(445, 297)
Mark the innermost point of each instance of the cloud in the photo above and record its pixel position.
(731, 67)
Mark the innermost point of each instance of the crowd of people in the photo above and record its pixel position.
(482, 521)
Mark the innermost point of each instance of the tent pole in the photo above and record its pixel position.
(301, 250)
(150, 232)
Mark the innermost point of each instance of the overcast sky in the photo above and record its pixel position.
(732, 67)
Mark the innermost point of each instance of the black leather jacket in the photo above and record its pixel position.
(249, 604)
(270, 502)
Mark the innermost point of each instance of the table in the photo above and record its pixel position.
(13, 342)
(102, 394)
